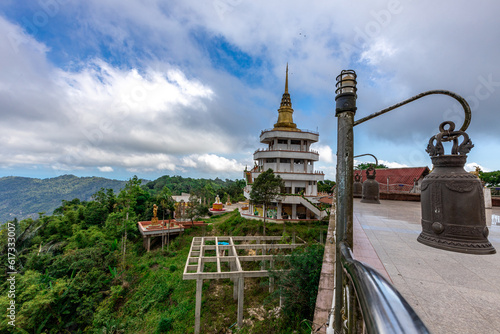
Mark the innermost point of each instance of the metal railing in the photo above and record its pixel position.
(302, 130)
(371, 304)
(285, 150)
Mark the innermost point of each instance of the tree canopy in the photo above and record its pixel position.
(326, 186)
(491, 179)
(365, 165)
(266, 188)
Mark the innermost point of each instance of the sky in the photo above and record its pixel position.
(182, 87)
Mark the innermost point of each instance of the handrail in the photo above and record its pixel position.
(383, 308)
(284, 150)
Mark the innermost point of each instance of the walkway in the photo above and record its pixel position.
(452, 292)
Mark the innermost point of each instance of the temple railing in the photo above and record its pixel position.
(371, 304)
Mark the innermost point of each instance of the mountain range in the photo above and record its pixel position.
(23, 197)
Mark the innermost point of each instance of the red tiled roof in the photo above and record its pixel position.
(326, 200)
(397, 175)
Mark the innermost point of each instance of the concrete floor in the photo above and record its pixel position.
(452, 292)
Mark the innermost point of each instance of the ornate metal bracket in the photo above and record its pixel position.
(449, 134)
(457, 97)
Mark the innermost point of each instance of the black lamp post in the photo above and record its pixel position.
(345, 111)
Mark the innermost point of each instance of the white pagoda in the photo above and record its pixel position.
(289, 155)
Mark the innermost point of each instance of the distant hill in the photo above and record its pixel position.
(24, 197)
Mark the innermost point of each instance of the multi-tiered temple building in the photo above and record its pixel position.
(289, 155)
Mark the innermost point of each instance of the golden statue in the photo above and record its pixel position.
(477, 171)
(154, 220)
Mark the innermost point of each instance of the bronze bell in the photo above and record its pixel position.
(453, 214)
(357, 186)
(370, 188)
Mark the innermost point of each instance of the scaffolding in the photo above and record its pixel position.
(228, 253)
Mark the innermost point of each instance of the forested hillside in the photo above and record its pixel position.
(84, 270)
(206, 189)
(24, 197)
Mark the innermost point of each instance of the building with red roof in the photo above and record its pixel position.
(406, 179)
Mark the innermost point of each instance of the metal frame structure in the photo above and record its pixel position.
(349, 302)
(229, 263)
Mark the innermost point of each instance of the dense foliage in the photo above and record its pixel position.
(298, 284)
(204, 189)
(24, 197)
(365, 165)
(491, 179)
(266, 189)
(326, 186)
(84, 269)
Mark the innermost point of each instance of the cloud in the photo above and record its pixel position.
(104, 115)
(212, 163)
(325, 153)
(180, 86)
(471, 166)
(392, 164)
(105, 169)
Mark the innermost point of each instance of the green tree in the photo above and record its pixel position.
(491, 179)
(365, 165)
(167, 203)
(132, 199)
(326, 186)
(298, 285)
(195, 208)
(265, 190)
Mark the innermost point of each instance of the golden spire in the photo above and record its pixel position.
(285, 119)
(286, 80)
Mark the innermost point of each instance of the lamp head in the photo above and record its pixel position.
(346, 92)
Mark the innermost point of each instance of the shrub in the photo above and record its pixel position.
(299, 285)
(165, 325)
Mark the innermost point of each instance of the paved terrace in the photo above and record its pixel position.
(452, 292)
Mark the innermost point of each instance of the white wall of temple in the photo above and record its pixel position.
(308, 188)
(298, 145)
(275, 154)
(287, 165)
(295, 176)
(289, 155)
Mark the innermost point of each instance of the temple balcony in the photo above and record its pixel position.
(272, 153)
(269, 135)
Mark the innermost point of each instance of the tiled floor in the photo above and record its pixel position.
(452, 292)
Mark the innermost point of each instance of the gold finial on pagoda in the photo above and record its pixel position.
(285, 119)
(286, 82)
(154, 220)
(477, 171)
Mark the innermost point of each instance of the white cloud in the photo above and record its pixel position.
(102, 115)
(213, 163)
(471, 166)
(105, 169)
(379, 50)
(172, 82)
(325, 153)
(392, 164)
